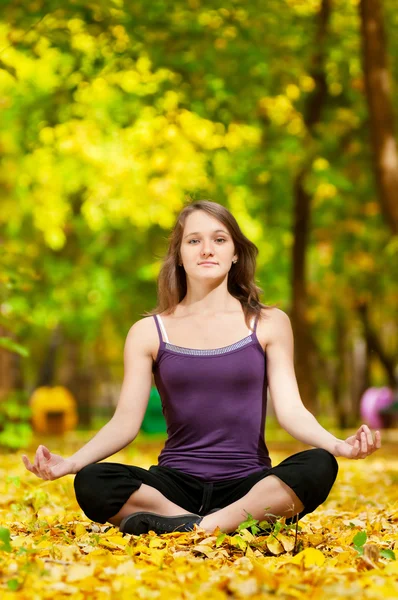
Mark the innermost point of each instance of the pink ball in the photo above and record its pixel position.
(373, 400)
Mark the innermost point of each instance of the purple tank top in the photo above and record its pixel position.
(214, 403)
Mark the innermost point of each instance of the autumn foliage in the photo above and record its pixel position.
(347, 546)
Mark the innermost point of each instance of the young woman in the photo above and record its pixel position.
(213, 349)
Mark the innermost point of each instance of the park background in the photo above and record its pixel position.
(114, 115)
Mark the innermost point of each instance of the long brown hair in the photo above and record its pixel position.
(172, 282)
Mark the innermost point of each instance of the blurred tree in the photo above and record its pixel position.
(312, 114)
(113, 112)
(381, 115)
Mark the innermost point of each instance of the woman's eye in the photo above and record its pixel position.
(217, 240)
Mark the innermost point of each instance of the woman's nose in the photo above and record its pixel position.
(207, 248)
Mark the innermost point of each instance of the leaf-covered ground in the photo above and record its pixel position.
(347, 548)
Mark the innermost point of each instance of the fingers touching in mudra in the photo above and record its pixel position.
(360, 445)
(48, 465)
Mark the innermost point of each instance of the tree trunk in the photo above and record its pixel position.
(375, 345)
(347, 397)
(359, 376)
(47, 371)
(11, 377)
(304, 356)
(77, 377)
(381, 117)
(339, 378)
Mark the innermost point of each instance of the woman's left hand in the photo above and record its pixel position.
(359, 445)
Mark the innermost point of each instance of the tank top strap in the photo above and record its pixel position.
(253, 324)
(161, 330)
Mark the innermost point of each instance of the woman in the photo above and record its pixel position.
(213, 349)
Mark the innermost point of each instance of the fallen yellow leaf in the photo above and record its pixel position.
(309, 556)
(204, 549)
(274, 545)
(287, 541)
(77, 572)
(391, 568)
(80, 530)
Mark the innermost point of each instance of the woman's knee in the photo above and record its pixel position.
(85, 482)
(323, 473)
(326, 462)
(101, 489)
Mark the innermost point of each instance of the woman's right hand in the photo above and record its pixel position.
(48, 465)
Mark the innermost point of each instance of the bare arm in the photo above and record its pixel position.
(288, 406)
(132, 404)
(130, 410)
(289, 409)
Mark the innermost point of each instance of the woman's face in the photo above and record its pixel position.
(206, 239)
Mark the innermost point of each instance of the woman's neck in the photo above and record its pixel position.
(207, 309)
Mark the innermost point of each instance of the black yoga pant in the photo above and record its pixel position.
(102, 488)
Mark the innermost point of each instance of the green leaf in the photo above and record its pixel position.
(220, 539)
(13, 584)
(387, 553)
(13, 346)
(265, 525)
(360, 538)
(250, 522)
(239, 542)
(289, 526)
(14, 479)
(277, 527)
(5, 539)
(254, 529)
(359, 549)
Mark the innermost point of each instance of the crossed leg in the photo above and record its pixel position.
(147, 498)
(270, 495)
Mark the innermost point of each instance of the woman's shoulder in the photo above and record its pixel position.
(144, 329)
(273, 323)
(144, 332)
(274, 314)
